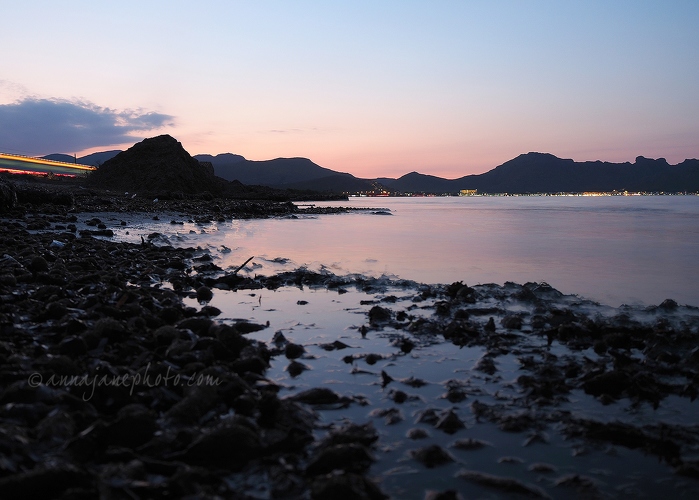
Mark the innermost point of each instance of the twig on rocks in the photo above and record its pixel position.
(243, 265)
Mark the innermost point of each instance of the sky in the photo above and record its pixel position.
(374, 88)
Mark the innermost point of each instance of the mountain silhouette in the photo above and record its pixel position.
(527, 173)
(94, 159)
(546, 173)
(284, 173)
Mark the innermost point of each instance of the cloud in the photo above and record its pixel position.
(40, 126)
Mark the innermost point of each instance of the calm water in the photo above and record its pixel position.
(634, 250)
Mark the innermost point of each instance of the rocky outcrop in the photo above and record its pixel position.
(158, 164)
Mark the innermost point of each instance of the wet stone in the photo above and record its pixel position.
(449, 422)
(432, 456)
(348, 457)
(317, 396)
(294, 351)
(295, 368)
(417, 433)
(470, 444)
(72, 346)
(503, 484)
(334, 346)
(230, 445)
(379, 315)
(391, 416)
(427, 416)
(443, 495)
(204, 294)
(398, 396)
(345, 485)
(543, 468)
(512, 322)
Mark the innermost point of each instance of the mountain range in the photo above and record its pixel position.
(527, 173)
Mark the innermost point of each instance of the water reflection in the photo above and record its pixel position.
(634, 250)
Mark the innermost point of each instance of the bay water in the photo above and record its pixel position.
(635, 250)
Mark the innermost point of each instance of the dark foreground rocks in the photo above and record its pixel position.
(111, 387)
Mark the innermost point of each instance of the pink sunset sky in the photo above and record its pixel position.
(373, 88)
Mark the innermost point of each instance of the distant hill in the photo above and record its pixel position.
(61, 157)
(337, 183)
(546, 173)
(284, 173)
(97, 159)
(222, 159)
(94, 159)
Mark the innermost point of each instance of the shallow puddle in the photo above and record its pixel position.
(572, 467)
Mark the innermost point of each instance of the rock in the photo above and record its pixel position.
(348, 457)
(490, 325)
(449, 422)
(294, 351)
(542, 467)
(427, 416)
(318, 396)
(135, 425)
(584, 485)
(385, 379)
(398, 396)
(612, 383)
(204, 294)
(43, 482)
(470, 444)
(512, 322)
(486, 364)
(230, 337)
(334, 346)
(668, 305)
(72, 346)
(504, 484)
(443, 495)
(8, 196)
(295, 368)
(39, 265)
(364, 434)
(248, 327)
(391, 416)
(417, 433)
(432, 456)
(379, 315)
(372, 358)
(229, 445)
(345, 486)
(111, 329)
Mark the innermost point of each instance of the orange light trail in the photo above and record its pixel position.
(29, 165)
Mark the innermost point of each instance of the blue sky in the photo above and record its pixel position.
(375, 88)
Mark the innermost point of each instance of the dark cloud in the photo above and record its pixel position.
(42, 126)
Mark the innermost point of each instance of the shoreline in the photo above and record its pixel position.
(74, 305)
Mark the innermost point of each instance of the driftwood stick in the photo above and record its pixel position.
(243, 265)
